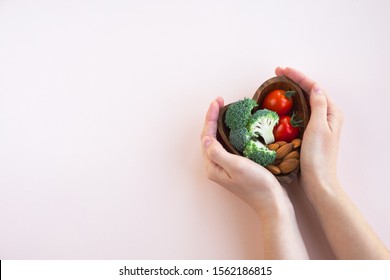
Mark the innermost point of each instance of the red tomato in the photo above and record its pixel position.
(279, 101)
(287, 129)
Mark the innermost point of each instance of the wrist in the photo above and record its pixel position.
(318, 189)
(277, 206)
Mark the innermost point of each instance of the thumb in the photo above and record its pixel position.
(318, 105)
(217, 154)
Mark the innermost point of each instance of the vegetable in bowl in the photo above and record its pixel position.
(239, 138)
(238, 113)
(246, 130)
(262, 124)
(256, 151)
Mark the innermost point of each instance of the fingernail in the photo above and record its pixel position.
(207, 141)
(317, 89)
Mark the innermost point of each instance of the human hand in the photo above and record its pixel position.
(256, 186)
(243, 177)
(346, 230)
(321, 138)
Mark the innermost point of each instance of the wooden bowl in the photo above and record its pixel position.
(300, 107)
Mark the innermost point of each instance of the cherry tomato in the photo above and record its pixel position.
(279, 101)
(287, 129)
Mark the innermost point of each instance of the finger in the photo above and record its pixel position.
(211, 120)
(217, 174)
(214, 172)
(279, 71)
(217, 154)
(335, 116)
(220, 101)
(319, 106)
(301, 79)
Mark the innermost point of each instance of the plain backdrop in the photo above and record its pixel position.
(102, 104)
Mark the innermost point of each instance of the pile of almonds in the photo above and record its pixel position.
(287, 156)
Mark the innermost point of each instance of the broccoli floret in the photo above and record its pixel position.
(262, 124)
(238, 113)
(239, 137)
(259, 153)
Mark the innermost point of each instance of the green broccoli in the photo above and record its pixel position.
(238, 113)
(259, 153)
(262, 124)
(239, 137)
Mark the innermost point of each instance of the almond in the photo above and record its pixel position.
(296, 143)
(281, 143)
(292, 154)
(288, 165)
(273, 146)
(277, 161)
(284, 150)
(273, 169)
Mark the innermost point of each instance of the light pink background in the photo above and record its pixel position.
(102, 104)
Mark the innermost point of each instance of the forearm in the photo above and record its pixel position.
(281, 236)
(348, 233)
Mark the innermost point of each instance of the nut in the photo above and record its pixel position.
(277, 161)
(288, 165)
(296, 143)
(284, 150)
(292, 154)
(273, 169)
(273, 146)
(281, 143)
